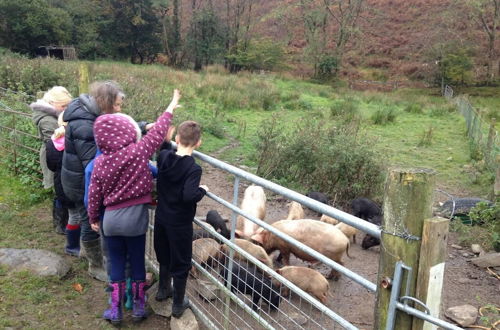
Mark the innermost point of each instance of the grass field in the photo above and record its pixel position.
(232, 108)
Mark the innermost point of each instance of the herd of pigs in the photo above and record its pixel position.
(327, 236)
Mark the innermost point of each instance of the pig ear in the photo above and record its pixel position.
(258, 238)
(278, 271)
(238, 233)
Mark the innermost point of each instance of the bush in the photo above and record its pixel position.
(384, 116)
(318, 157)
(414, 108)
(327, 67)
(426, 139)
(346, 109)
(263, 54)
(487, 217)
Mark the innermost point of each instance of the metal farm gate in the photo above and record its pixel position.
(228, 310)
(223, 309)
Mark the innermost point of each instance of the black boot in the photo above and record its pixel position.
(164, 284)
(59, 217)
(181, 303)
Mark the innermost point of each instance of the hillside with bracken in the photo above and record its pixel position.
(392, 40)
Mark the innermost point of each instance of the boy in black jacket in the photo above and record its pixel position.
(179, 190)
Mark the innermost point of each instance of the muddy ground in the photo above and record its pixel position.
(464, 283)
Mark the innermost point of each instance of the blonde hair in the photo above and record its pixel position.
(58, 96)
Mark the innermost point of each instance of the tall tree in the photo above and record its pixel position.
(315, 25)
(131, 29)
(487, 14)
(238, 22)
(205, 38)
(345, 15)
(168, 12)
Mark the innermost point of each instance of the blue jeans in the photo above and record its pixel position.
(78, 215)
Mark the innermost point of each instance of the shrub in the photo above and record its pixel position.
(414, 108)
(315, 156)
(384, 116)
(327, 67)
(488, 217)
(426, 139)
(441, 111)
(347, 110)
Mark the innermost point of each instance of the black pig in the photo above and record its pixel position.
(365, 208)
(250, 280)
(214, 218)
(368, 240)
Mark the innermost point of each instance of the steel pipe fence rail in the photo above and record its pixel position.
(347, 218)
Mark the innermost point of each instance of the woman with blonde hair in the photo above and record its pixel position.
(45, 113)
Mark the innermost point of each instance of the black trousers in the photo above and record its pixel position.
(173, 247)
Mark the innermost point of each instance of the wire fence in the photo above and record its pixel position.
(482, 134)
(19, 138)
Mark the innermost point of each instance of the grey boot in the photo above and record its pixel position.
(94, 257)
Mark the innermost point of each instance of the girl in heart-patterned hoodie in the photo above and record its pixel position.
(122, 182)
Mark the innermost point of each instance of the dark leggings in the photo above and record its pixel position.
(173, 247)
(118, 249)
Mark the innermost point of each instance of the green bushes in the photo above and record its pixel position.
(414, 108)
(32, 76)
(316, 156)
(485, 228)
(384, 116)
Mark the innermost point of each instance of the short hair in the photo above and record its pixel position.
(105, 94)
(189, 133)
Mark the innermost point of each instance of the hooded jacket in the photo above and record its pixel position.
(178, 187)
(45, 119)
(79, 147)
(121, 176)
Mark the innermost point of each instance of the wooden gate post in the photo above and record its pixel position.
(84, 78)
(408, 198)
(431, 268)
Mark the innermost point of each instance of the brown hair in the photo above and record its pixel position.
(105, 94)
(189, 133)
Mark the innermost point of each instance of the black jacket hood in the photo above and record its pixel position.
(175, 167)
(83, 107)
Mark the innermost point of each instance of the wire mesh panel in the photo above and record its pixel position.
(19, 139)
(233, 288)
(482, 134)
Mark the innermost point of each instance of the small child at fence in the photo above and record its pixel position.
(121, 181)
(179, 191)
(54, 155)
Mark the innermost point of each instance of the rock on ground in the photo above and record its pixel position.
(464, 315)
(186, 322)
(487, 260)
(163, 308)
(40, 262)
(207, 290)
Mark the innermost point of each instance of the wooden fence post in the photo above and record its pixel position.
(431, 268)
(84, 78)
(407, 202)
(496, 187)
